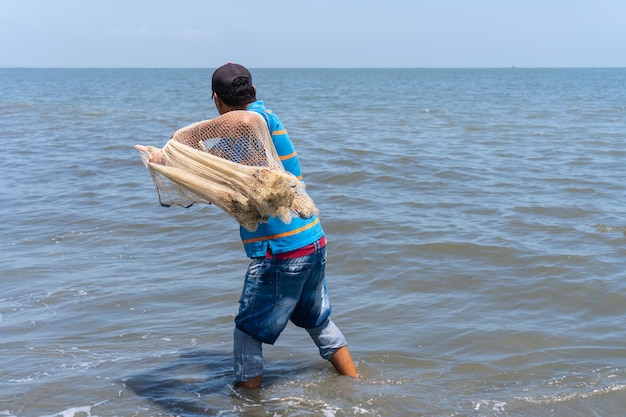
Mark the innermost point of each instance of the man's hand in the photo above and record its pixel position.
(151, 154)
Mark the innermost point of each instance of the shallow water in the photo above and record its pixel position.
(475, 220)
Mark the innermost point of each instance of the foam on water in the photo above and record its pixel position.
(84, 411)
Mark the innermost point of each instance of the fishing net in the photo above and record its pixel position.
(231, 162)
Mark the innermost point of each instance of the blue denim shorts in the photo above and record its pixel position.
(276, 291)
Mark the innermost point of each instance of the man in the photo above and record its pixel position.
(286, 278)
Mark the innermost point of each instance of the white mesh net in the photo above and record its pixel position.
(231, 162)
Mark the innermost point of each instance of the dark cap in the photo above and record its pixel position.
(224, 76)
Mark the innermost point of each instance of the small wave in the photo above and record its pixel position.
(603, 228)
(497, 406)
(559, 398)
(77, 411)
(295, 404)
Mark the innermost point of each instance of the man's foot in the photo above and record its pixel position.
(253, 383)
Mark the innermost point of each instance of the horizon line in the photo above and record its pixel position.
(318, 68)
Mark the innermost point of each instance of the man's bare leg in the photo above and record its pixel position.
(343, 363)
(253, 383)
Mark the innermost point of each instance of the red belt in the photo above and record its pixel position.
(303, 251)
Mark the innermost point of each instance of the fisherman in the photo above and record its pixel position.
(286, 277)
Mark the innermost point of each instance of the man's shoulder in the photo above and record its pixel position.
(258, 106)
(270, 117)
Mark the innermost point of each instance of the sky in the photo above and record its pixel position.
(312, 33)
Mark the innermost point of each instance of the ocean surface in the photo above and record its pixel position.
(475, 220)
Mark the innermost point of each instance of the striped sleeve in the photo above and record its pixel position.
(285, 149)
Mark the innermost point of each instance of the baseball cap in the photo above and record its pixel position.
(224, 76)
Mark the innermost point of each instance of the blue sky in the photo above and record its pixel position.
(312, 34)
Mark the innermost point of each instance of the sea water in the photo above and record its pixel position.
(475, 220)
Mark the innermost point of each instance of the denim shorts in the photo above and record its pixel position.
(276, 291)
